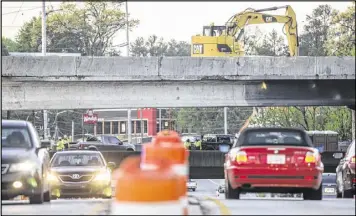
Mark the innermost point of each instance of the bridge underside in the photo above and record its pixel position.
(34, 95)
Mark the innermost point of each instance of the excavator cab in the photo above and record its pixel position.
(213, 42)
(213, 31)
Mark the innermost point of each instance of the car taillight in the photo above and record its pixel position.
(81, 146)
(310, 157)
(241, 157)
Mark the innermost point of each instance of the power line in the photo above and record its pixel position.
(12, 12)
(17, 13)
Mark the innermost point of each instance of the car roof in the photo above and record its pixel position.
(78, 152)
(273, 128)
(16, 123)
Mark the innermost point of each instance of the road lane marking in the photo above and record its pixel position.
(224, 210)
(98, 208)
(213, 182)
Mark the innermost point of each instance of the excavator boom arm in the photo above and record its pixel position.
(249, 17)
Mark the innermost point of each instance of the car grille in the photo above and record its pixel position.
(71, 178)
(75, 191)
(4, 168)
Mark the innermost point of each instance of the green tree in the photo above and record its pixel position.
(9, 44)
(87, 30)
(315, 35)
(155, 46)
(342, 33)
(4, 51)
(211, 120)
(271, 45)
(308, 118)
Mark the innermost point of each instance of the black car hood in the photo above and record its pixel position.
(16, 155)
(76, 169)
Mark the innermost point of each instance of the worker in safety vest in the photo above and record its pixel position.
(60, 144)
(198, 144)
(187, 144)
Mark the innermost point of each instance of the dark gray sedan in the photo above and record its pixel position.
(329, 184)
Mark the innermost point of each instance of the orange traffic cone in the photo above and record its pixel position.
(146, 192)
(168, 145)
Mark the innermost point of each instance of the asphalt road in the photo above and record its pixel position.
(249, 204)
(212, 204)
(57, 207)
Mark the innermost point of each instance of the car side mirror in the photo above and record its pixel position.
(111, 165)
(120, 143)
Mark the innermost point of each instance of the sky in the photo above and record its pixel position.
(170, 20)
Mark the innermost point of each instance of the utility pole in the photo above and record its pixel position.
(129, 125)
(129, 135)
(160, 119)
(44, 40)
(72, 131)
(225, 120)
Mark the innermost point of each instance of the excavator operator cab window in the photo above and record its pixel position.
(213, 31)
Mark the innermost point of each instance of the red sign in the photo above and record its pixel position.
(90, 117)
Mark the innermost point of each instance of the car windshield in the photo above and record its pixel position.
(61, 160)
(275, 137)
(12, 137)
(329, 179)
(223, 139)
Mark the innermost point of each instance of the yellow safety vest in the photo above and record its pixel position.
(186, 145)
(198, 144)
(60, 145)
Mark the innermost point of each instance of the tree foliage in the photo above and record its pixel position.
(10, 44)
(155, 46)
(87, 30)
(4, 51)
(308, 118)
(342, 33)
(315, 35)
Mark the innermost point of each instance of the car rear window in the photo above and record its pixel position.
(329, 179)
(294, 138)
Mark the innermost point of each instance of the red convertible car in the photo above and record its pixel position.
(275, 160)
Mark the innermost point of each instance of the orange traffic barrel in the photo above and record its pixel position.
(168, 145)
(146, 192)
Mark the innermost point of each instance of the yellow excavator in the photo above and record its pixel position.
(225, 41)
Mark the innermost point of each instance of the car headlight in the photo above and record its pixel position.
(20, 167)
(104, 176)
(52, 178)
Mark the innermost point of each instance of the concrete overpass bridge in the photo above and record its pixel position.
(30, 83)
(127, 82)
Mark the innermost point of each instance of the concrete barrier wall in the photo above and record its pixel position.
(177, 68)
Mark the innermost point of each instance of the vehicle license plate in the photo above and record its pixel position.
(329, 190)
(276, 159)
